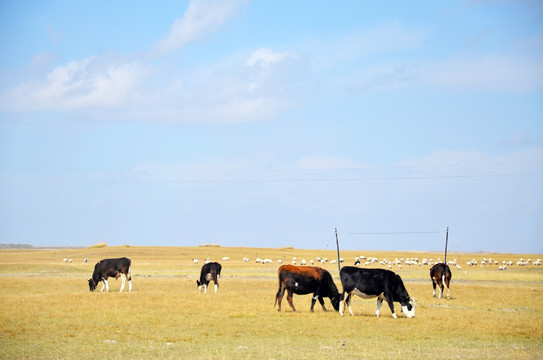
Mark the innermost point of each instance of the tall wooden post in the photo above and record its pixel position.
(446, 243)
(337, 247)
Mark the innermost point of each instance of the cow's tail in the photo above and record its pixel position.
(278, 291)
(443, 279)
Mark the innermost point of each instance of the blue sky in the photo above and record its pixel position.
(271, 123)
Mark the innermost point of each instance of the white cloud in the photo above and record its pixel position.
(201, 18)
(266, 57)
(78, 84)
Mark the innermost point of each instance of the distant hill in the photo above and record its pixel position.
(28, 246)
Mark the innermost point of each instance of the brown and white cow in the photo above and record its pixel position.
(302, 280)
(107, 268)
(441, 276)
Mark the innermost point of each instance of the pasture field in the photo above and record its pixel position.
(47, 311)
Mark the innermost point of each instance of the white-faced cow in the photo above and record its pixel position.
(370, 283)
(210, 271)
(302, 280)
(441, 276)
(114, 268)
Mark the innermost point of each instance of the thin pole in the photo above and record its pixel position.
(337, 247)
(446, 243)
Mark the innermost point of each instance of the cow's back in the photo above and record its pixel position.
(368, 281)
(439, 270)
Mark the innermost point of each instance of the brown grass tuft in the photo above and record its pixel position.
(98, 245)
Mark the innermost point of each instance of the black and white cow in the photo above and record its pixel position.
(302, 280)
(441, 276)
(370, 283)
(210, 271)
(107, 268)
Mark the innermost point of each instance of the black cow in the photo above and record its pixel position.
(210, 271)
(441, 275)
(302, 280)
(371, 283)
(107, 268)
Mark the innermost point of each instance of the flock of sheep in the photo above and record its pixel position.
(399, 262)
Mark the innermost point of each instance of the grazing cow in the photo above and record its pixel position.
(441, 275)
(302, 280)
(210, 271)
(371, 283)
(107, 268)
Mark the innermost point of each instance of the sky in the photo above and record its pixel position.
(273, 123)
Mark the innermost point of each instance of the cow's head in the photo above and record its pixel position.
(408, 308)
(92, 285)
(201, 286)
(335, 301)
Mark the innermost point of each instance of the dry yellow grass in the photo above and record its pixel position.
(49, 313)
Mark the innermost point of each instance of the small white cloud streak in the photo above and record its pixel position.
(201, 18)
(265, 57)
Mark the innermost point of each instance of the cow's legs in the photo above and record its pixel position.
(289, 299)
(321, 301)
(346, 302)
(313, 300)
(123, 279)
(379, 303)
(105, 283)
(436, 282)
(390, 304)
(279, 296)
(216, 281)
(342, 304)
(446, 282)
(129, 276)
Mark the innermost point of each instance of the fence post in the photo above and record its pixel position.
(446, 243)
(337, 247)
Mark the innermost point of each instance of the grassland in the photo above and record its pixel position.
(49, 313)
